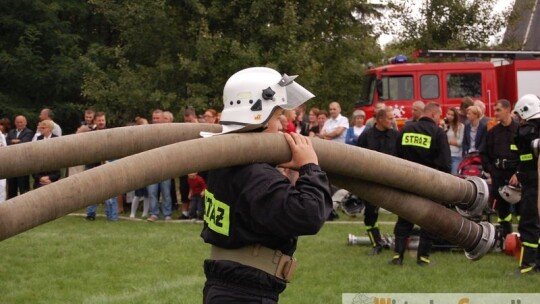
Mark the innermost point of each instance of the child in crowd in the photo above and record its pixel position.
(140, 195)
(197, 186)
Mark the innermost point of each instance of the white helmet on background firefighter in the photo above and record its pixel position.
(528, 107)
(251, 96)
(510, 194)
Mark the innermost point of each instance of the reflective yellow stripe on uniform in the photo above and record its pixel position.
(374, 226)
(525, 270)
(416, 139)
(526, 157)
(424, 259)
(513, 147)
(506, 219)
(372, 238)
(216, 214)
(531, 245)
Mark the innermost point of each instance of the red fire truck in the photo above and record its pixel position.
(507, 75)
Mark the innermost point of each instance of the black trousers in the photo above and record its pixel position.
(17, 184)
(529, 223)
(500, 178)
(184, 189)
(217, 294)
(371, 215)
(231, 282)
(403, 230)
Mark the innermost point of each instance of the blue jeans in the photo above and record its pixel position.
(111, 209)
(165, 188)
(91, 210)
(456, 160)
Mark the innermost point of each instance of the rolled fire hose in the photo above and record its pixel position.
(92, 147)
(470, 196)
(75, 192)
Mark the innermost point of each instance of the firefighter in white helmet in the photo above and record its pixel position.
(528, 109)
(253, 95)
(253, 214)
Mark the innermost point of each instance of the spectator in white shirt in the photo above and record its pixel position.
(336, 125)
(47, 114)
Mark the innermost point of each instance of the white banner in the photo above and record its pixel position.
(440, 298)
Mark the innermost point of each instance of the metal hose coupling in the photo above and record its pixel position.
(485, 244)
(481, 199)
(357, 240)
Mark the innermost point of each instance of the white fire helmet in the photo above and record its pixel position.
(251, 96)
(510, 194)
(528, 107)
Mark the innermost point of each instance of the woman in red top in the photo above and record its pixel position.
(291, 118)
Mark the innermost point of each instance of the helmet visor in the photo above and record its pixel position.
(296, 95)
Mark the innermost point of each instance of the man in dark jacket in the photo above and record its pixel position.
(20, 134)
(500, 158)
(425, 143)
(381, 138)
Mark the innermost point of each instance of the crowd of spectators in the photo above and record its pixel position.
(465, 127)
(21, 134)
(93, 121)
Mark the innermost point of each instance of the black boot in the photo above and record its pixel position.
(376, 241)
(527, 261)
(399, 248)
(424, 248)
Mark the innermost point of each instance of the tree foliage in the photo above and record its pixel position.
(444, 24)
(129, 57)
(39, 53)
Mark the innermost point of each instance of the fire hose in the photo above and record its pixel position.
(354, 168)
(470, 196)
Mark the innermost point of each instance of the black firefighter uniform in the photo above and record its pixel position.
(424, 143)
(527, 174)
(253, 217)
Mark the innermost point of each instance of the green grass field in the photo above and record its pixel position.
(71, 260)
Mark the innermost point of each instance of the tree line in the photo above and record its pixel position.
(129, 57)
